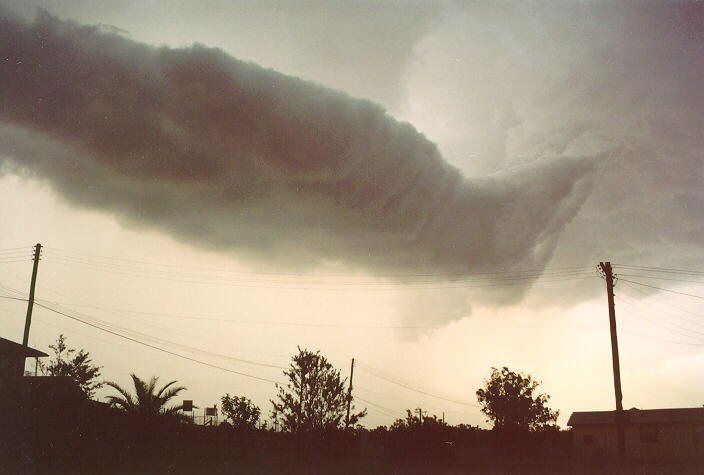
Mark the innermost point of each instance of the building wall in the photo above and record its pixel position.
(643, 441)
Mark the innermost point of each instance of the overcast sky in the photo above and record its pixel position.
(424, 187)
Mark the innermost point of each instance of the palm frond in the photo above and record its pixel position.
(145, 400)
(171, 393)
(126, 402)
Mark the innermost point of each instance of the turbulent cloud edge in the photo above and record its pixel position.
(226, 154)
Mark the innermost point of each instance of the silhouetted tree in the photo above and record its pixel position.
(511, 402)
(240, 411)
(412, 421)
(78, 366)
(147, 401)
(315, 398)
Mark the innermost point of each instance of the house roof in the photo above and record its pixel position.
(638, 416)
(10, 349)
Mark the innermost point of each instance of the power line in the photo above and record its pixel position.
(15, 249)
(659, 339)
(171, 343)
(123, 329)
(648, 311)
(407, 403)
(349, 285)
(664, 290)
(660, 309)
(669, 304)
(403, 385)
(675, 330)
(257, 277)
(385, 410)
(13, 298)
(134, 340)
(319, 325)
(660, 269)
(661, 278)
(69, 254)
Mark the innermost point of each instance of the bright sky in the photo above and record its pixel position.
(191, 200)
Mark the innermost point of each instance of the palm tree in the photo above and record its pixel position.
(145, 401)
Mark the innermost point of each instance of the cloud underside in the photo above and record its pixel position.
(228, 155)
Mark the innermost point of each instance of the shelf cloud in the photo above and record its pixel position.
(229, 155)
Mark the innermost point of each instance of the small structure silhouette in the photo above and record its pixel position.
(658, 434)
(12, 357)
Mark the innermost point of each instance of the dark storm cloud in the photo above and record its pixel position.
(577, 78)
(230, 155)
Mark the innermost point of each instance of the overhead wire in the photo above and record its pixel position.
(13, 298)
(648, 311)
(384, 410)
(659, 269)
(657, 277)
(163, 341)
(351, 285)
(662, 289)
(666, 311)
(265, 279)
(67, 315)
(316, 324)
(625, 330)
(377, 373)
(443, 275)
(654, 296)
(656, 324)
(53, 289)
(406, 403)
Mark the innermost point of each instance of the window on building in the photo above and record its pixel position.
(699, 432)
(648, 434)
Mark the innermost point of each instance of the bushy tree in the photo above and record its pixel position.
(147, 401)
(315, 398)
(414, 421)
(511, 402)
(76, 365)
(240, 411)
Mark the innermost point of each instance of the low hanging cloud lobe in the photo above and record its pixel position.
(229, 155)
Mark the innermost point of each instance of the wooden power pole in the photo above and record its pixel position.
(30, 303)
(349, 396)
(608, 275)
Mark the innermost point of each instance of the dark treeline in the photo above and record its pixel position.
(95, 436)
(52, 424)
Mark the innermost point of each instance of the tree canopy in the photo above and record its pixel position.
(314, 399)
(414, 420)
(511, 402)
(147, 401)
(76, 365)
(240, 411)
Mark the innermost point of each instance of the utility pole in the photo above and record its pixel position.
(420, 415)
(30, 303)
(30, 306)
(609, 276)
(349, 396)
